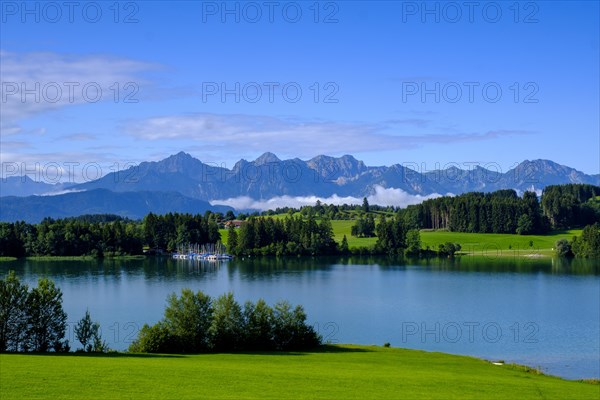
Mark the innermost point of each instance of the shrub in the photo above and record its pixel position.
(563, 248)
(154, 339)
(194, 323)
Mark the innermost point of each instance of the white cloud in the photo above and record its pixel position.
(52, 81)
(382, 196)
(240, 133)
(61, 192)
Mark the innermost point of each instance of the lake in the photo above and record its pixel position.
(540, 312)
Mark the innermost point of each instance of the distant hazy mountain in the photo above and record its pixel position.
(268, 177)
(323, 176)
(100, 201)
(25, 186)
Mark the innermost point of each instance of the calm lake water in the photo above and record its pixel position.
(542, 313)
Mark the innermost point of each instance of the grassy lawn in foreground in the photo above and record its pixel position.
(342, 372)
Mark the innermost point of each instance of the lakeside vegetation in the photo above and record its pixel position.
(195, 323)
(33, 320)
(332, 372)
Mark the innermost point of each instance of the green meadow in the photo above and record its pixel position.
(497, 243)
(492, 244)
(337, 372)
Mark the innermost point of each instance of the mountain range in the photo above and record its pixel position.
(183, 183)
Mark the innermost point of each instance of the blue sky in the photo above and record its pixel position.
(389, 82)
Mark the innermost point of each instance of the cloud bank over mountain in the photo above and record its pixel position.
(382, 196)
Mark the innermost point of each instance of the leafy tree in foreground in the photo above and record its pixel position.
(259, 324)
(13, 313)
(88, 334)
(291, 331)
(188, 319)
(191, 324)
(47, 319)
(226, 330)
(155, 338)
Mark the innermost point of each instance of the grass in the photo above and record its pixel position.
(495, 244)
(337, 372)
(4, 259)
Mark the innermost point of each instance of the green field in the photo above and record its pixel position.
(340, 372)
(495, 244)
(498, 244)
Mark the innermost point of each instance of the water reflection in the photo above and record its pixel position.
(164, 267)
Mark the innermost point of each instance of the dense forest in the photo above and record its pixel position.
(503, 211)
(101, 236)
(289, 236)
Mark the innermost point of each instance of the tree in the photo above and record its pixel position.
(229, 215)
(213, 232)
(344, 246)
(246, 240)
(13, 313)
(47, 320)
(448, 249)
(227, 323)
(291, 331)
(365, 205)
(567, 205)
(154, 339)
(413, 241)
(524, 225)
(258, 326)
(326, 243)
(364, 227)
(588, 244)
(563, 248)
(10, 244)
(86, 332)
(183, 235)
(188, 319)
(232, 240)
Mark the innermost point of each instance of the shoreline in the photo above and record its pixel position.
(72, 258)
(500, 254)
